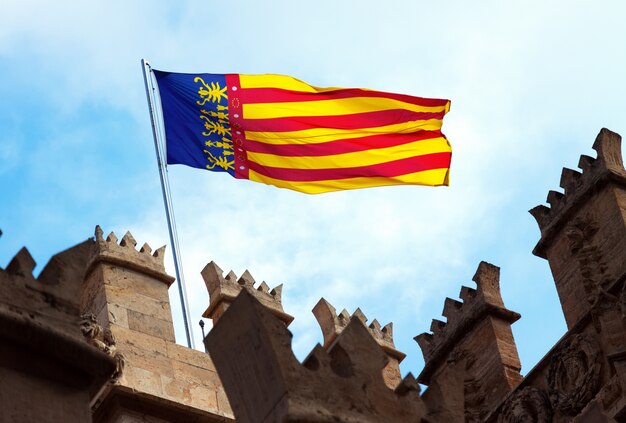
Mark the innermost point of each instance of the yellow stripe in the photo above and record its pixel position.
(434, 177)
(354, 159)
(280, 81)
(338, 107)
(319, 135)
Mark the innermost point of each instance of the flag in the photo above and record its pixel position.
(281, 131)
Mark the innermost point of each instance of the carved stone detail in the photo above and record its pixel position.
(103, 340)
(592, 267)
(474, 400)
(574, 375)
(528, 405)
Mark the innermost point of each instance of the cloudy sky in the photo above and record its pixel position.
(531, 84)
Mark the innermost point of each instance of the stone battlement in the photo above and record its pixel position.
(579, 186)
(47, 370)
(463, 316)
(278, 388)
(224, 290)
(125, 254)
(332, 324)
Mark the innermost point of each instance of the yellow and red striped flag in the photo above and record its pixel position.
(281, 131)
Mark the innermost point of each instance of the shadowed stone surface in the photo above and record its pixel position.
(251, 344)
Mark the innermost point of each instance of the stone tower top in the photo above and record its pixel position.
(125, 255)
(333, 324)
(583, 232)
(474, 352)
(580, 186)
(224, 290)
(461, 316)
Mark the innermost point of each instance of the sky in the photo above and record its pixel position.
(531, 85)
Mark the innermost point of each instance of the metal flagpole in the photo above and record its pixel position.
(167, 198)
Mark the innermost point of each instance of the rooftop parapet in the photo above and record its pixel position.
(124, 254)
(477, 303)
(344, 384)
(224, 290)
(42, 343)
(580, 186)
(332, 324)
(54, 295)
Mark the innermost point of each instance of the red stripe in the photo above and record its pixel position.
(339, 146)
(352, 121)
(279, 95)
(235, 120)
(387, 170)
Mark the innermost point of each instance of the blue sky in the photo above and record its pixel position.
(531, 84)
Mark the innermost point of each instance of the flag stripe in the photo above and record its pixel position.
(280, 81)
(321, 135)
(433, 177)
(339, 146)
(355, 121)
(365, 158)
(277, 95)
(341, 107)
(389, 169)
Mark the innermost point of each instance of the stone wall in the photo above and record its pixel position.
(127, 292)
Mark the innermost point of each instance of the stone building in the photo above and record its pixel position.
(91, 338)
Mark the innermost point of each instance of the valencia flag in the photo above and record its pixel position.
(281, 131)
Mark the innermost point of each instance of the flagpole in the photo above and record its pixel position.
(167, 199)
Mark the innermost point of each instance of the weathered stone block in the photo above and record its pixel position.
(190, 356)
(131, 300)
(150, 325)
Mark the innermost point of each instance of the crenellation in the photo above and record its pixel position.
(409, 386)
(47, 370)
(555, 199)
(451, 308)
(582, 231)
(437, 326)
(541, 214)
(333, 324)
(358, 313)
(467, 294)
(595, 172)
(128, 241)
(570, 180)
(608, 146)
(484, 300)
(586, 163)
(475, 341)
(159, 254)
(224, 289)
(145, 248)
(111, 238)
(125, 255)
(344, 384)
(22, 264)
